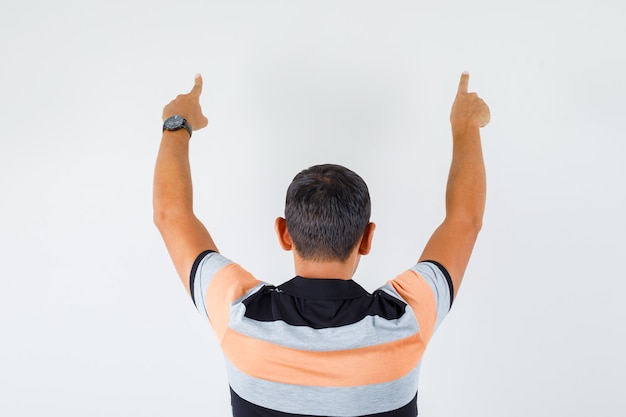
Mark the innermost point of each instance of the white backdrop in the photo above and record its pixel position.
(94, 320)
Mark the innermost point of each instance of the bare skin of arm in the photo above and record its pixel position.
(453, 241)
(184, 235)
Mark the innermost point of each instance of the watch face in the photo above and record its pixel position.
(174, 122)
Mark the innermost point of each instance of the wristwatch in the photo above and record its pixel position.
(173, 123)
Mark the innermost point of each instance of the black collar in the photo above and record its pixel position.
(323, 289)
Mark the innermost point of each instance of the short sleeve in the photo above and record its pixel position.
(204, 269)
(427, 289)
(215, 283)
(439, 281)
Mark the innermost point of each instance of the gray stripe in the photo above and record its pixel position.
(207, 268)
(439, 285)
(327, 401)
(371, 330)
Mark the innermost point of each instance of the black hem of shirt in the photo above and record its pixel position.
(243, 408)
(445, 274)
(192, 274)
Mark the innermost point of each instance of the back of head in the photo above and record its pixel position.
(327, 209)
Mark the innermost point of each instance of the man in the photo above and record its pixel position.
(319, 344)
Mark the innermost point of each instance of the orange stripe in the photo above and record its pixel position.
(229, 283)
(354, 367)
(415, 290)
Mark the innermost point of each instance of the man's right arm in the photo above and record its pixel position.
(452, 242)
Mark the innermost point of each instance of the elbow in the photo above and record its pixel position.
(476, 223)
(471, 224)
(166, 210)
(163, 216)
(467, 216)
(159, 211)
(160, 218)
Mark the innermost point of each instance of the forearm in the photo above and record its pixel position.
(466, 189)
(173, 193)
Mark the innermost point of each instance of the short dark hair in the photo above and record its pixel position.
(327, 209)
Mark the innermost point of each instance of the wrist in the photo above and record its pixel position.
(180, 134)
(176, 123)
(465, 127)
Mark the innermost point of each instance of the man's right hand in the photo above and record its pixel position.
(468, 110)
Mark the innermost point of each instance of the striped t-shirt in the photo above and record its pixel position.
(321, 347)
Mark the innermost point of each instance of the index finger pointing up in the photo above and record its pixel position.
(464, 82)
(197, 86)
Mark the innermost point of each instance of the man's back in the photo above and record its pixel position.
(323, 347)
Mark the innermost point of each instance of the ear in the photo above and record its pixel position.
(366, 240)
(284, 240)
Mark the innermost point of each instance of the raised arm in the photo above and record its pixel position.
(452, 243)
(184, 235)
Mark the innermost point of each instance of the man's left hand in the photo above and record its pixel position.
(188, 106)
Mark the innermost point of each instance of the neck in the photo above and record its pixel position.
(326, 269)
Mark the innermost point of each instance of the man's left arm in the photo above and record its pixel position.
(184, 235)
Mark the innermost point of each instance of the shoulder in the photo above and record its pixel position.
(427, 288)
(423, 276)
(438, 278)
(212, 274)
